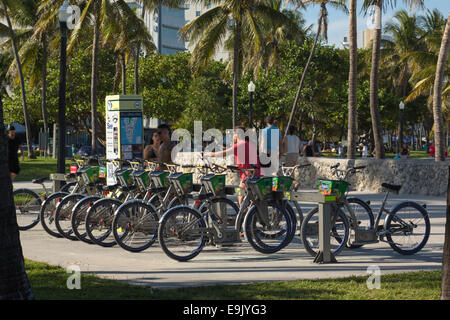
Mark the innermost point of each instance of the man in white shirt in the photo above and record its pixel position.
(292, 147)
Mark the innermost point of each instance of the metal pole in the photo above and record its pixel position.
(401, 131)
(62, 101)
(251, 111)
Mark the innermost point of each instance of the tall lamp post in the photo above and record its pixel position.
(401, 107)
(64, 15)
(251, 90)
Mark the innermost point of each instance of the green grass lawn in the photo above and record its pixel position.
(38, 168)
(49, 282)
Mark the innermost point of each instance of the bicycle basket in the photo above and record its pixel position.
(182, 182)
(261, 188)
(281, 183)
(90, 174)
(159, 178)
(338, 187)
(214, 183)
(124, 177)
(142, 178)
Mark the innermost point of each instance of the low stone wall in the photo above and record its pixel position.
(417, 176)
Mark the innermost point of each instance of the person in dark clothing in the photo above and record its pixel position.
(308, 150)
(13, 147)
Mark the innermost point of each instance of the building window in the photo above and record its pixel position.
(208, 6)
(197, 13)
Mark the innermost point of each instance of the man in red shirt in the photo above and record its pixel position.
(245, 156)
(432, 150)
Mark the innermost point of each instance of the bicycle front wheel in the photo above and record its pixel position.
(364, 218)
(408, 227)
(339, 231)
(135, 226)
(48, 211)
(28, 204)
(182, 233)
(64, 213)
(268, 232)
(99, 219)
(78, 218)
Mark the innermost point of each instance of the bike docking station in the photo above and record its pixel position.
(124, 131)
(325, 202)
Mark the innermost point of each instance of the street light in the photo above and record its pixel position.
(401, 107)
(64, 13)
(251, 90)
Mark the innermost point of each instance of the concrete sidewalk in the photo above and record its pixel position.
(239, 264)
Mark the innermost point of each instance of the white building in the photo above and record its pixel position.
(170, 21)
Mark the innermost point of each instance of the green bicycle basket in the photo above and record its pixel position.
(261, 187)
(90, 174)
(124, 177)
(142, 178)
(281, 183)
(337, 187)
(183, 182)
(214, 183)
(159, 178)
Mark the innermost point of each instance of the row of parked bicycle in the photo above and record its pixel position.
(148, 205)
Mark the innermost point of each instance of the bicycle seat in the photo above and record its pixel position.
(393, 187)
(110, 188)
(40, 180)
(157, 189)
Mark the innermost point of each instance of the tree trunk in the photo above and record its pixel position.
(124, 73)
(95, 45)
(137, 58)
(352, 82)
(302, 79)
(374, 74)
(437, 95)
(22, 85)
(14, 284)
(236, 56)
(445, 285)
(44, 87)
(117, 76)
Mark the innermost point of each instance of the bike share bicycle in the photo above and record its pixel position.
(185, 230)
(353, 224)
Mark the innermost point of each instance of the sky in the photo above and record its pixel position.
(338, 20)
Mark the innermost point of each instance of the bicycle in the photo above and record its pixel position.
(352, 235)
(135, 222)
(184, 230)
(28, 203)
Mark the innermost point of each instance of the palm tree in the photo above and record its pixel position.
(352, 81)
(322, 29)
(425, 64)
(437, 94)
(374, 72)
(126, 32)
(14, 284)
(6, 7)
(273, 37)
(239, 20)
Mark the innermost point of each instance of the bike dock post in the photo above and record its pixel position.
(325, 206)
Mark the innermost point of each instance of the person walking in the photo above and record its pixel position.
(165, 149)
(292, 147)
(13, 148)
(270, 144)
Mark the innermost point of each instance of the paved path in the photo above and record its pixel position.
(237, 264)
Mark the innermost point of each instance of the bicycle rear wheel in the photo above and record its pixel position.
(135, 226)
(28, 204)
(338, 234)
(408, 227)
(271, 233)
(182, 233)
